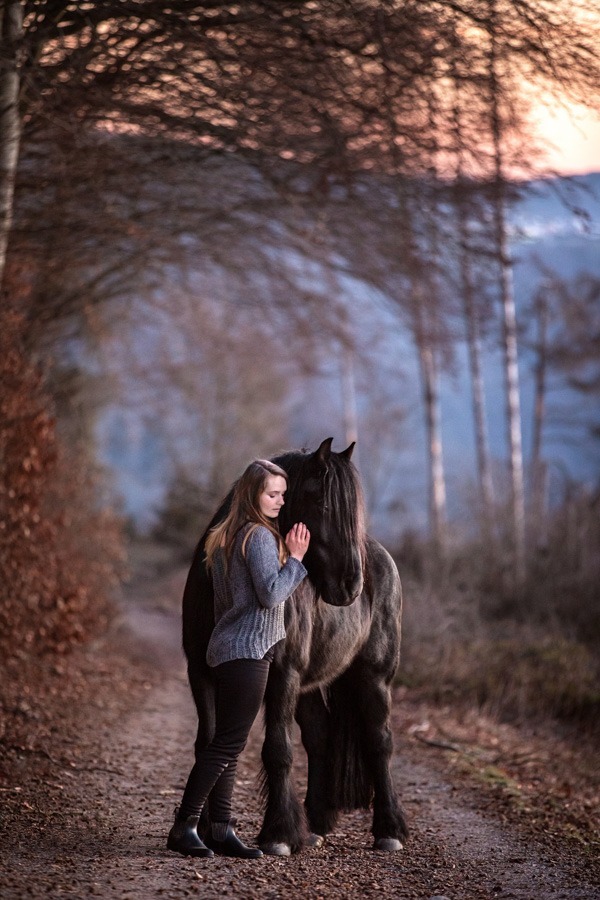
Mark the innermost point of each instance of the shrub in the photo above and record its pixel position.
(184, 514)
(59, 553)
(472, 636)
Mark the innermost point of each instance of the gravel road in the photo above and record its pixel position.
(89, 787)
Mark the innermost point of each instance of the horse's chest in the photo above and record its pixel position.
(322, 640)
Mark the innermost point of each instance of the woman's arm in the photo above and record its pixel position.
(272, 582)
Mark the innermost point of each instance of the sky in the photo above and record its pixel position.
(572, 138)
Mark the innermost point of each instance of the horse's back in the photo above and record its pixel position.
(383, 583)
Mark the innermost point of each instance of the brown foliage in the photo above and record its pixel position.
(58, 553)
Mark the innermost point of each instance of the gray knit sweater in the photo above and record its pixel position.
(249, 597)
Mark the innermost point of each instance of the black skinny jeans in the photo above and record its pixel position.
(240, 688)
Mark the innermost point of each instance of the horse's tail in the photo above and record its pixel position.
(351, 782)
(197, 623)
(197, 612)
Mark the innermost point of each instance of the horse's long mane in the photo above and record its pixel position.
(342, 495)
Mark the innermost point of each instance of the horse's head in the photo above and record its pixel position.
(324, 492)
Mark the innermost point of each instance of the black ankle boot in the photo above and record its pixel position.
(183, 837)
(232, 846)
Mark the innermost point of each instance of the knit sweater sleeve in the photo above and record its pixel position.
(273, 583)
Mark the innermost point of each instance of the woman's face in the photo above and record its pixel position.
(271, 500)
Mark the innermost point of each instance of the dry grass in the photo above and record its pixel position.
(525, 653)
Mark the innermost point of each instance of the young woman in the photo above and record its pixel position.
(254, 572)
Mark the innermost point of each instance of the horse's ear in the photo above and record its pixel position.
(347, 453)
(324, 451)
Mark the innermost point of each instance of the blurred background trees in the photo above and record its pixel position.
(230, 228)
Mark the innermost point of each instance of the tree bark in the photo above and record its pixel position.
(11, 32)
(349, 409)
(431, 402)
(484, 469)
(538, 472)
(470, 306)
(509, 318)
(512, 386)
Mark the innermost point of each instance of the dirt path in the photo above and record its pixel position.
(86, 813)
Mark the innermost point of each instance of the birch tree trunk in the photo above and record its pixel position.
(349, 409)
(431, 402)
(512, 387)
(11, 31)
(347, 359)
(509, 318)
(471, 313)
(434, 333)
(484, 469)
(538, 473)
(425, 323)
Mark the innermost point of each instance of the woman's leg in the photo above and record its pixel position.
(240, 687)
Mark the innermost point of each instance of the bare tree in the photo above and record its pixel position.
(472, 318)
(332, 88)
(498, 131)
(563, 335)
(537, 467)
(206, 379)
(470, 243)
(431, 404)
(11, 33)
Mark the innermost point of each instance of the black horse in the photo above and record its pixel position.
(333, 671)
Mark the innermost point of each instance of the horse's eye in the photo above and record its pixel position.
(312, 487)
(315, 492)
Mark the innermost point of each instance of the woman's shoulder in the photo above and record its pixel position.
(254, 534)
(260, 532)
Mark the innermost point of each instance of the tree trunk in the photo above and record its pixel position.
(347, 356)
(349, 410)
(11, 31)
(513, 395)
(484, 469)
(538, 473)
(426, 330)
(466, 252)
(509, 318)
(431, 401)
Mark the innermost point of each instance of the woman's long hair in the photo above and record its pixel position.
(245, 508)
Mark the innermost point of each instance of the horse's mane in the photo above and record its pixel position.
(343, 494)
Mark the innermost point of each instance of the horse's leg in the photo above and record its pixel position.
(312, 717)
(374, 697)
(197, 625)
(284, 825)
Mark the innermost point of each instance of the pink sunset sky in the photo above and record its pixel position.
(572, 137)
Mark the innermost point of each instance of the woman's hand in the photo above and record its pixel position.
(297, 540)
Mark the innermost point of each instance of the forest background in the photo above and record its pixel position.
(228, 229)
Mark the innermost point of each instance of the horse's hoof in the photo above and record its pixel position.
(314, 841)
(276, 848)
(388, 844)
